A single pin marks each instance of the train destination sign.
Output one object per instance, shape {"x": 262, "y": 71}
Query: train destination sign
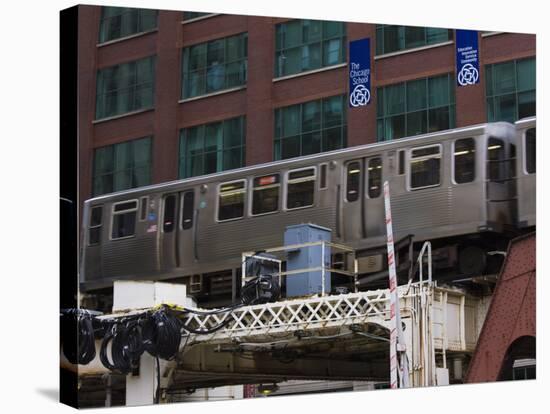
{"x": 467, "y": 57}
{"x": 359, "y": 73}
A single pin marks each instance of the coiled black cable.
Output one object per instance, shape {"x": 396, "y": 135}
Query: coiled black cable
{"x": 162, "y": 334}
{"x": 78, "y": 331}
{"x": 126, "y": 347}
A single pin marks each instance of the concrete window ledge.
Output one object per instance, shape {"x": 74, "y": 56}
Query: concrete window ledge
{"x": 310, "y": 72}
{"x": 413, "y": 50}
{"x": 112, "y": 118}
{"x": 208, "y": 95}
{"x": 122, "y": 39}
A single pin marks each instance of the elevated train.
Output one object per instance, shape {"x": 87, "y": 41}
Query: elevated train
{"x": 468, "y": 190}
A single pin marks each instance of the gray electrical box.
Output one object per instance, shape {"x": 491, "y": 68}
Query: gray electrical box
{"x": 307, "y": 283}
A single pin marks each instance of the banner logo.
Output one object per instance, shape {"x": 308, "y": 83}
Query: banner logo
{"x": 467, "y": 57}
{"x": 468, "y": 75}
{"x": 360, "y": 96}
{"x": 359, "y": 73}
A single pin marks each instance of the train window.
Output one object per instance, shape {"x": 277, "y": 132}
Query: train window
{"x": 96, "y": 221}
{"x": 401, "y": 168}
{"x": 168, "y": 221}
{"x": 300, "y": 188}
{"x": 187, "y": 210}
{"x": 231, "y": 200}
{"x": 124, "y": 219}
{"x": 530, "y": 151}
{"x": 143, "y": 208}
{"x": 323, "y": 179}
{"x": 265, "y": 194}
{"x": 495, "y": 158}
{"x": 353, "y": 181}
{"x": 375, "y": 177}
{"x": 425, "y": 167}
{"x": 465, "y": 160}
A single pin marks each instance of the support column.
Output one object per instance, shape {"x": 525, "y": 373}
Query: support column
{"x": 141, "y": 388}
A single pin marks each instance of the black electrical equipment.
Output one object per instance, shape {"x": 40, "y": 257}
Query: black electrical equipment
{"x": 261, "y": 264}
{"x": 261, "y": 289}
{"x": 264, "y": 286}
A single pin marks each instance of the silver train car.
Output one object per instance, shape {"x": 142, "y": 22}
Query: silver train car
{"x": 452, "y": 187}
{"x": 526, "y": 172}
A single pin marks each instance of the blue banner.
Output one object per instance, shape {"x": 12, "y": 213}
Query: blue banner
{"x": 359, "y": 72}
{"x": 467, "y": 58}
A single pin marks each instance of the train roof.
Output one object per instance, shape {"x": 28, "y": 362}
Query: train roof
{"x": 526, "y": 122}
{"x": 318, "y": 157}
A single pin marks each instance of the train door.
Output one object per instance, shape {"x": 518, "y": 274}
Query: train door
{"x": 498, "y": 181}
{"x": 168, "y": 230}
{"x": 186, "y": 230}
{"x": 353, "y": 201}
{"x": 374, "y": 197}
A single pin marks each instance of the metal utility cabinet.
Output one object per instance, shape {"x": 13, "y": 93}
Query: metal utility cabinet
{"x": 308, "y": 257}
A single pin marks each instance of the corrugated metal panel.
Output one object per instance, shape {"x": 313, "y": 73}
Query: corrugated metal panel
{"x": 422, "y": 208}
{"x": 512, "y": 313}
{"x": 130, "y": 256}
{"x": 229, "y": 240}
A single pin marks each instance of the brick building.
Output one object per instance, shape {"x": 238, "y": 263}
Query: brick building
{"x": 171, "y": 94}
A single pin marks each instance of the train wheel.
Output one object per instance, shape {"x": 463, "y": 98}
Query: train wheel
{"x": 472, "y": 260}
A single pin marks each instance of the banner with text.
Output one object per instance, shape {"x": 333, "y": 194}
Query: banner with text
{"x": 359, "y": 72}
{"x": 467, "y": 57}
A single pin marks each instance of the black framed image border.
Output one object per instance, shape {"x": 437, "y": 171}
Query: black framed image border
{"x": 68, "y": 187}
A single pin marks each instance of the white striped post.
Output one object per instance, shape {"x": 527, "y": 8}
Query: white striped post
{"x": 396, "y": 331}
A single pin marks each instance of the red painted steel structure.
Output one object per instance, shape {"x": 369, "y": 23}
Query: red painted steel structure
{"x": 512, "y": 313}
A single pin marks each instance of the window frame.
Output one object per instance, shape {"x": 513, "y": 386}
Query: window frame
{"x": 502, "y": 157}
{"x": 490, "y": 98}
{"x": 323, "y": 175}
{"x": 453, "y": 162}
{"x": 244, "y": 190}
{"x": 143, "y": 209}
{"x": 113, "y": 170}
{"x": 140, "y": 31}
{"x": 113, "y": 213}
{"x": 409, "y": 164}
{"x": 184, "y": 158}
{"x": 253, "y": 188}
{"x": 383, "y": 117}
{"x": 321, "y": 41}
{"x": 182, "y": 208}
{"x": 347, "y": 172}
{"x": 367, "y": 186}
{"x": 381, "y": 28}
{"x": 165, "y": 197}
{"x": 90, "y": 227}
{"x": 184, "y": 94}
{"x": 278, "y": 113}
{"x": 135, "y": 86}
{"x": 525, "y": 171}
{"x": 288, "y": 182}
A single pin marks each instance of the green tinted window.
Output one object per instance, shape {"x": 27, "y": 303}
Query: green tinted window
{"x": 210, "y": 148}
{"x": 415, "y": 107}
{"x": 303, "y": 45}
{"x": 511, "y": 90}
{"x": 214, "y": 66}
{"x": 118, "y": 22}
{"x": 310, "y": 127}
{"x": 125, "y": 88}
{"x": 391, "y": 38}
{"x": 122, "y": 166}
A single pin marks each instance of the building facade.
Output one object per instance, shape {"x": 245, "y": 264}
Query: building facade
{"x": 165, "y": 95}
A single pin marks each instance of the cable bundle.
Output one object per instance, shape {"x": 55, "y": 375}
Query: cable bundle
{"x": 77, "y": 326}
{"x": 126, "y": 347}
{"x": 162, "y": 334}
